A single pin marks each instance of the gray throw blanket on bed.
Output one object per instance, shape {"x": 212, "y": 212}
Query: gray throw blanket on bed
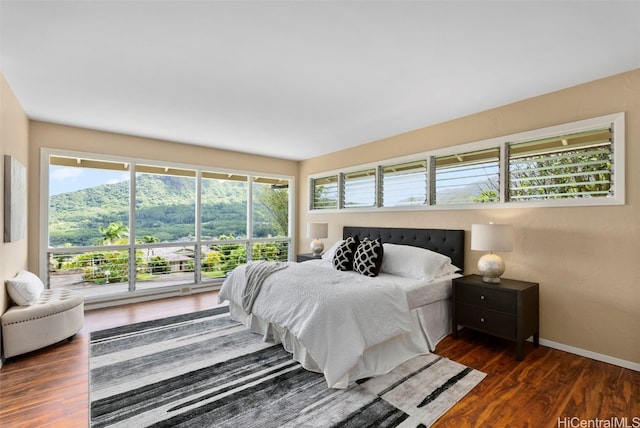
{"x": 256, "y": 273}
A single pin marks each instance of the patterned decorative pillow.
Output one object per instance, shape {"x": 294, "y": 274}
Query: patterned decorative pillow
{"x": 368, "y": 258}
{"x": 343, "y": 257}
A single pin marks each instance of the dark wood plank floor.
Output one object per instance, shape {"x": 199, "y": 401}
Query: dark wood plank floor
{"x": 49, "y": 388}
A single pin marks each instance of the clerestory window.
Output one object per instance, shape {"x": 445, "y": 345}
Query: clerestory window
{"x": 574, "y": 164}
{"x": 470, "y": 177}
{"x": 568, "y": 166}
{"x": 405, "y": 184}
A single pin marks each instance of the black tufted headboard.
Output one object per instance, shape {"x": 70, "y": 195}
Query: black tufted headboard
{"x": 444, "y": 241}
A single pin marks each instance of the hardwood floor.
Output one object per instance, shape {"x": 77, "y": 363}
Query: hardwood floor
{"x": 49, "y": 388}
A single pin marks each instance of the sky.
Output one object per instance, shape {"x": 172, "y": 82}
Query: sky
{"x": 64, "y": 179}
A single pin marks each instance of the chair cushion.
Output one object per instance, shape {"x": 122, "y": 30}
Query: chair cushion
{"x": 51, "y": 302}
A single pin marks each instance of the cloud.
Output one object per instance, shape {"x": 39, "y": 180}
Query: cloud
{"x": 123, "y": 177}
{"x": 62, "y": 173}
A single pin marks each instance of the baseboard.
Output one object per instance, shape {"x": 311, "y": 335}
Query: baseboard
{"x": 147, "y": 295}
{"x": 593, "y": 355}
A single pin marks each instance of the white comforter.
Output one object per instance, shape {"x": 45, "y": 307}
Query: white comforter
{"x": 335, "y": 315}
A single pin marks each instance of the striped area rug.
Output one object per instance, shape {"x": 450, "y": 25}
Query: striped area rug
{"x": 206, "y": 370}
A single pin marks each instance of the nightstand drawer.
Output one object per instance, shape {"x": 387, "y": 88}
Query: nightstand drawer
{"x": 486, "y": 320}
{"x": 485, "y": 297}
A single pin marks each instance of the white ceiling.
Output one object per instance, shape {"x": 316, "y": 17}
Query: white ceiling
{"x": 297, "y": 79}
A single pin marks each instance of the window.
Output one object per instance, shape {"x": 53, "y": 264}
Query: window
{"x": 165, "y": 204}
{"x": 568, "y": 166}
{"x": 404, "y": 184}
{"x": 359, "y": 189}
{"x": 77, "y": 198}
{"x": 165, "y": 210}
{"x": 574, "y": 164}
{"x": 223, "y": 205}
{"x": 118, "y": 226}
{"x": 270, "y": 207}
{"x": 325, "y": 193}
{"x": 270, "y": 219}
{"x": 471, "y": 177}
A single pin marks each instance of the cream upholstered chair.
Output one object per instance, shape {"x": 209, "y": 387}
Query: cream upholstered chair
{"x": 32, "y": 323}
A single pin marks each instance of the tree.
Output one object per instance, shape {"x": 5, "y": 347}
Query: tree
{"x": 115, "y": 233}
{"x": 149, "y": 239}
{"x": 102, "y": 267}
{"x": 575, "y": 174}
{"x": 159, "y": 265}
{"x": 325, "y": 196}
{"x": 489, "y": 191}
{"x": 275, "y": 200}
{"x": 212, "y": 261}
{"x": 486, "y": 195}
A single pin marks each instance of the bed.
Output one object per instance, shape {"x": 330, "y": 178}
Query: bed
{"x": 346, "y": 325}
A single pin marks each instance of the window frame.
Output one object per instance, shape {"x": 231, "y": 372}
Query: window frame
{"x": 480, "y": 154}
{"x": 616, "y": 121}
{"x": 162, "y": 167}
{"x": 360, "y": 181}
{"x": 312, "y": 192}
{"x": 421, "y": 168}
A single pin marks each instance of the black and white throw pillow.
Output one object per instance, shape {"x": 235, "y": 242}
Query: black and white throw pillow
{"x": 343, "y": 257}
{"x": 368, "y": 257}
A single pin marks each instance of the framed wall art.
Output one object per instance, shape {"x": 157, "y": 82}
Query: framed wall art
{"x": 15, "y": 200}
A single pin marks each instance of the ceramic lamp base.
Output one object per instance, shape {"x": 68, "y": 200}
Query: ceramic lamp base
{"x": 317, "y": 247}
{"x": 491, "y": 267}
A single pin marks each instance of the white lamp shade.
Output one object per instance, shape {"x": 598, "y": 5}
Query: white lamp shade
{"x": 317, "y": 230}
{"x": 492, "y": 237}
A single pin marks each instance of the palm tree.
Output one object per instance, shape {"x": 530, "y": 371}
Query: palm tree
{"x": 115, "y": 233}
{"x": 149, "y": 239}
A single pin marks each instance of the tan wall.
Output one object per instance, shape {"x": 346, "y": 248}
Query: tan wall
{"x": 14, "y": 141}
{"x": 587, "y": 260}
{"x": 53, "y": 136}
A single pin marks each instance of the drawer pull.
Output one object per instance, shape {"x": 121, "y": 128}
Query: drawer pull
{"x": 481, "y": 297}
{"x": 481, "y": 319}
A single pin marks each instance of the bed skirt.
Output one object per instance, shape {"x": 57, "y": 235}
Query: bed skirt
{"x": 430, "y": 324}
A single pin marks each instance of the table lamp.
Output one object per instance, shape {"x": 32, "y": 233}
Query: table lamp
{"x": 491, "y": 237}
{"x": 317, "y": 231}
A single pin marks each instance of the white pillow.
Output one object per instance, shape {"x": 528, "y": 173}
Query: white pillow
{"x": 25, "y": 288}
{"x": 447, "y": 269}
{"x": 328, "y": 255}
{"x": 413, "y": 262}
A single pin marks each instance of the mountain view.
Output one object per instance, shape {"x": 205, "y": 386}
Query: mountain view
{"x": 165, "y": 209}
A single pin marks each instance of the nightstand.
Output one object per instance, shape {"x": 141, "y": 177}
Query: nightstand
{"x": 306, "y": 257}
{"x": 508, "y": 309}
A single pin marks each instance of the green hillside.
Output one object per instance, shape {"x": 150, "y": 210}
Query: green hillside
{"x": 165, "y": 209}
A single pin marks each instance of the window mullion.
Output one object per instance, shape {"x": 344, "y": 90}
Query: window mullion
{"x": 379, "y": 195}
{"x": 249, "y": 242}
{"x": 132, "y": 228}
{"x": 432, "y": 181}
{"x": 341, "y": 191}
{"x": 505, "y": 175}
{"x": 197, "y": 253}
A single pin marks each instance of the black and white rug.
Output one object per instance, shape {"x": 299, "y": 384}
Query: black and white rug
{"x": 206, "y": 370}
